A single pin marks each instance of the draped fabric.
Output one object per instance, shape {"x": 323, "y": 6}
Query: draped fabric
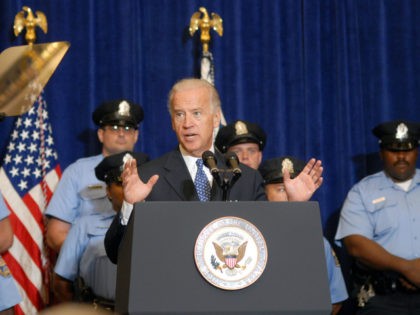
{"x": 317, "y": 75}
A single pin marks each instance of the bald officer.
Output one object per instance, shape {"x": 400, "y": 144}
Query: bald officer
{"x": 79, "y": 192}
{"x": 380, "y": 225}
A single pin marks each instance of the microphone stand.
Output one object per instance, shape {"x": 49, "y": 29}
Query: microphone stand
{"x": 221, "y": 176}
{"x": 225, "y": 183}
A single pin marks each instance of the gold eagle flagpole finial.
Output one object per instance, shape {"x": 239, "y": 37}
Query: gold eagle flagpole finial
{"x": 26, "y": 69}
{"x": 205, "y": 24}
{"x": 30, "y": 22}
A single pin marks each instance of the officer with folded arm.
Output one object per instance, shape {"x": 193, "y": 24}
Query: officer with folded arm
{"x": 380, "y": 225}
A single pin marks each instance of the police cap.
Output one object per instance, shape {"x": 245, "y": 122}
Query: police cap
{"x": 398, "y": 135}
{"x": 238, "y": 132}
{"x": 272, "y": 170}
{"x": 110, "y": 168}
{"x": 118, "y": 112}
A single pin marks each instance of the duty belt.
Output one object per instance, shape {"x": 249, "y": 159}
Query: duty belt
{"x": 372, "y": 282}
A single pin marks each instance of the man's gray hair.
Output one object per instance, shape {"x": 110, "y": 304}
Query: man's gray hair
{"x": 191, "y": 83}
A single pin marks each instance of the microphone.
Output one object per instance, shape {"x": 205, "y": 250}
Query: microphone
{"x": 209, "y": 160}
{"x": 233, "y": 162}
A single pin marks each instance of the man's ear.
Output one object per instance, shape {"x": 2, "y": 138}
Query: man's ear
{"x": 100, "y": 134}
{"x": 216, "y": 118}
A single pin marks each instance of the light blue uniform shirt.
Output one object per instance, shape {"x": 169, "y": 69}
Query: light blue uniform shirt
{"x": 382, "y": 211}
{"x": 338, "y": 290}
{"x": 9, "y": 295}
{"x": 79, "y": 192}
{"x": 83, "y": 252}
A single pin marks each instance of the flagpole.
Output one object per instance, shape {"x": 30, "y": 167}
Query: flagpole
{"x": 200, "y": 20}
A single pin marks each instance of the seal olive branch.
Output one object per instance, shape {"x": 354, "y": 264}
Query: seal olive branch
{"x": 215, "y": 263}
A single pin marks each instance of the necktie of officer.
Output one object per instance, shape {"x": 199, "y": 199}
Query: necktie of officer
{"x": 201, "y": 183}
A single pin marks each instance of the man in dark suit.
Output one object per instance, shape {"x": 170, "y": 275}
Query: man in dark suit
{"x": 194, "y": 106}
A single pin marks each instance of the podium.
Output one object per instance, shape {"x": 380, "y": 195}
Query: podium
{"x": 157, "y": 273}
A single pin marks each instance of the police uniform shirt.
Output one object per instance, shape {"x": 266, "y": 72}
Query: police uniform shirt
{"x": 9, "y": 295}
{"x": 338, "y": 290}
{"x": 79, "y": 192}
{"x": 382, "y": 211}
{"x": 97, "y": 271}
{"x": 88, "y": 231}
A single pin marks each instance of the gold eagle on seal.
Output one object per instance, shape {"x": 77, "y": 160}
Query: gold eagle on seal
{"x": 230, "y": 255}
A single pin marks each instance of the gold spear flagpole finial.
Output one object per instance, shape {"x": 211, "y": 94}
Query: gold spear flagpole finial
{"x": 204, "y": 23}
{"x": 30, "y": 22}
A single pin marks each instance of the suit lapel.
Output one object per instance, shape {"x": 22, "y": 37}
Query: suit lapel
{"x": 178, "y": 177}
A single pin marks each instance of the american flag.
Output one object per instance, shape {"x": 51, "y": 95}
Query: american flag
{"x": 28, "y": 176}
{"x": 207, "y": 73}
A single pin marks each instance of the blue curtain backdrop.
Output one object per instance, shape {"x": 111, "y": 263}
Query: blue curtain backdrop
{"x": 317, "y": 75}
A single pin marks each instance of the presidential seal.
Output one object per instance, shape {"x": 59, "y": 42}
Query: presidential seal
{"x": 230, "y": 253}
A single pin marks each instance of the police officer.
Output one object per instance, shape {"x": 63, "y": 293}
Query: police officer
{"x": 272, "y": 171}
{"x": 246, "y": 139}
{"x": 9, "y": 295}
{"x": 82, "y": 255}
{"x": 79, "y": 192}
{"x": 380, "y": 225}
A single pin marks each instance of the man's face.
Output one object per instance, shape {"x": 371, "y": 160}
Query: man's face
{"x": 115, "y": 194}
{"x": 399, "y": 165}
{"x": 193, "y": 119}
{"x": 116, "y": 139}
{"x": 276, "y": 192}
{"x": 248, "y": 154}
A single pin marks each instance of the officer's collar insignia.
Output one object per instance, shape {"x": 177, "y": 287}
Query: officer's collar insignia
{"x": 124, "y": 109}
{"x": 230, "y": 253}
{"x": 240, "y": 128}
{"x": 287, "y": 164}
{"x": 402, "y": 132}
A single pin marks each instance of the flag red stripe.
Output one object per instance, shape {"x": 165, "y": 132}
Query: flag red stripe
{"x": 47, "y": 193}
{"x": 26, "y": 239}
{"x": 18, "y": 310}
{"x": 20, "y": 276}
{"x": 34, "y": 209}
{"x": 58, "y": 170}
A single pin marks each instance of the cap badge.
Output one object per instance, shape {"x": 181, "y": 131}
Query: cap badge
{"x": 127, "y": 157}
{"x": 240, "y": 128}
{"x": 287, "y": 164}
{"x": 402, "y": 132}
{"x": 124, "y": 109}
